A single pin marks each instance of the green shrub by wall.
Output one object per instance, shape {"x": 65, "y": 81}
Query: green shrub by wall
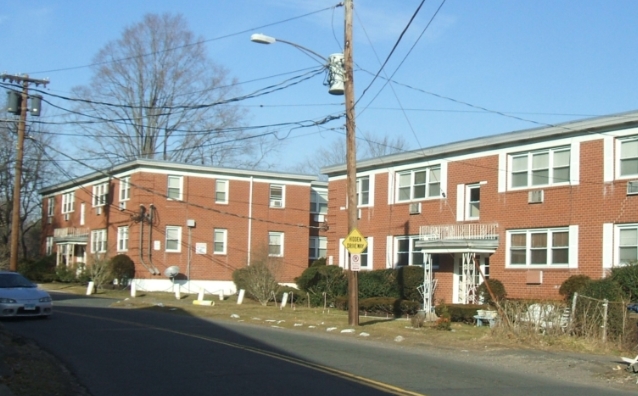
{"x": 627, "y": 278}
{"x": 459, "y": 312}
{"x": 497, "y": 287}
{"x": 409, "y": 278}
{"x": 573, "y": 284}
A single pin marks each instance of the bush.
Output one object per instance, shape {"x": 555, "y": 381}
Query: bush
{"x": 122, "y": 269}
{"x": 573, "y": 284}
{"x": 41, "y": 270}
{"x": 66, "y": 274}
{"x": 294, "y": 295}
{"x": 497, "y": 289}
{"x": 320, "y": 278}
{"x": 459, "y": 312}
{"x": 627, "y": 278}
{"x": 610, "y": 290}
{"x": 444, "y": 322}
{"x": 409, "y": 278}
{"x": 98, "y": 271}
{"x": 378, "y": 283}
{"x": 388, "y": 306}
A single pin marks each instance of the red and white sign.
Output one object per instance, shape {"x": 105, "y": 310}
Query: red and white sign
{"x": 355, "y": 262}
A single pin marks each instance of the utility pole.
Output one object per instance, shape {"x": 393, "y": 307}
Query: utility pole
{"x": 17, "y": 185}
{"x": 351, "y": 158}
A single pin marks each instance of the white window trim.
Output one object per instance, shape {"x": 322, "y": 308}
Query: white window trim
{"x": 49, "y": 246}
{"x": 428, "y": 169}
{"x": 615, "y": 262}
{"x": 98, "y": 237}
{"x": 573, "y": 167}
{"x": 271, "y": 201}
{"x": 572, "y": 247}
{"x": 50, "y": 206}
{"x": 179, "y": 239}
{"x": 395, "y": 258}
{"x": 125, "y": 189}
{"x": 181, "y": 187}
{"x": 68, "y": 202}
{"x": 226, "y": 192}
{"x": 344, "y": 255}
{"x": 281, "y": 250}
{"x": 370, "y": 191}
{"x": 122, "y": 238}
{"x": 617, "y": 158}
{"x": 100, "y": 194}
{"x": 224, "y": 241}
{"x": 315, "y": 201}
{"x": 317, "y": 246}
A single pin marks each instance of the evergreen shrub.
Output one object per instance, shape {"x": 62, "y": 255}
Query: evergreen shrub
{"x": 573, "y": 284}
{"x": 497, "y": 288}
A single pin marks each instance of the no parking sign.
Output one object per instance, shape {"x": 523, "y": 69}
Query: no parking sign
{"x": 355, "y": 262}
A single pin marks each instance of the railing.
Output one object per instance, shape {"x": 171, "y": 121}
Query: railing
{"x": 70, "y": 232}
{"x": 459, "y": 231}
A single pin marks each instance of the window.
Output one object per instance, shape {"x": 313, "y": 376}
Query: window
{"x": 363, "y": 191}
{"x": 318, "y": 247}
{"x": 629, "y": 157}
{"x": 535, "y": 248}
{"x": 419, "y": 184}
{"x": 122, "y": 239}
{"x": 407, "y": 252}
{"x": 318, "y": 202}
{"x": 174, "y": 189}
{"x": 125, "y": 189}
{"x": 173, "y": 239}
{"x": 98, "y": 241}
{"x": 473, "y": 201}
{"x": 221, "y": 191}
{"x": 50, "y": 206}
{"x": 276, "y": 244}
{"x": 49, "y": 246}
{"x": 540, "y": 168}
{"x": 68, "y": 202}
{"x": 219, "y": 241}
{"x": 100, "y": 192}
{"x": 628, "y": 245}
{"x": 366, "y": 255}
{"x": 276, "y": 196}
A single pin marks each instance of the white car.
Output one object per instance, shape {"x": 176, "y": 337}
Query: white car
{"x": 20, "y": 297}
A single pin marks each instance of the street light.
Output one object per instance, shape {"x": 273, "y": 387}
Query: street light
{"x": 341, "y": 82}
{"x": 334, "y": 63}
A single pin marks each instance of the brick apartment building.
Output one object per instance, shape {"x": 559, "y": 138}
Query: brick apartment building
{"x": 204, "y": 220}
{"x": 530, "y": 208}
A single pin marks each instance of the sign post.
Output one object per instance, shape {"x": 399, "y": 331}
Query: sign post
{"x": 355, "y": 244}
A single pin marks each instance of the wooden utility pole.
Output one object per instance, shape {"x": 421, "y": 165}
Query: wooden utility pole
{"x": 351, "y": 178}
{"x": 17, "y": 185}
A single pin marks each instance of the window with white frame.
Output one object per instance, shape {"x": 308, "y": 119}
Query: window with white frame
{"x": 366, "y": 255}
{"x": 363, "y": 191}
{"x": 318, "y": 247}
{"x": 419, "y": 184}
{"x": 100, "y": 192}
{"x": 276, "y": 244}
{"x": 540, "y": 168}
{"x": 68, "y": 202}
{"x": 538, "y": 247}
{"x": 173, "y": 239}
{"x": 98, "y": 241}
{"x": 50, "y": 206}
{"x": 628, "y": 157}
{"x": 49, "y": 246}
{"x": 221, "y": 191}
{"x": 319, "y": 202}
{"x": 627, "y": 244}
{"x": 406, "y": 251}
{"x": 276, "y": 196}
{"x": 473, "y": 196}
{"x": 220, "y": 238}
{"x": 122, "y": 239}
{"x": 125, "y": 189}
{"x": 174, "y": 187}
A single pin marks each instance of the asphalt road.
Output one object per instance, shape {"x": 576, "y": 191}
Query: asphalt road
{"x": 145, "y": 352}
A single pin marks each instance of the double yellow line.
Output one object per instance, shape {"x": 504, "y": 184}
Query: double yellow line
{"x": 289, "y": 359}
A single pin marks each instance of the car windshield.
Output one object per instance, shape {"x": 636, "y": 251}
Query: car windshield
{"x": 14, "y": 280}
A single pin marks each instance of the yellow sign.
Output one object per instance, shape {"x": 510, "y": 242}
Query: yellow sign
{"x": 355, "y": 243}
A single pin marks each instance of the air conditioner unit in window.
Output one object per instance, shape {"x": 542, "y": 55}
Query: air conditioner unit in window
{"x": 415, "y": 208}
{"x": 49, "y": 220}
{"x": 536, "y": 196}
{"x": 122, "y": 205}
{"x": 319, "y": 218}
{"x": 632, "y": 187}
{"x": 275, "y": 203}
{"x": 66, "y": 217}
{"x": 358, "y": 214}
{"x": 98, "y": 210}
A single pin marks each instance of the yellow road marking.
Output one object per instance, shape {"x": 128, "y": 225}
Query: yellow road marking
{"x": 299, "y": 362}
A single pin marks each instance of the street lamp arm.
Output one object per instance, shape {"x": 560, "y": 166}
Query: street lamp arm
{"x": 263, "y": 39}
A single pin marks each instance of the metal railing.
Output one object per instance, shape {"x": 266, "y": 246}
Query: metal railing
{"x": 459, "y": 231}
{"x": 70, "y": 232}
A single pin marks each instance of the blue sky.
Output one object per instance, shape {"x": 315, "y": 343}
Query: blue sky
{"x": 544, "y": 61}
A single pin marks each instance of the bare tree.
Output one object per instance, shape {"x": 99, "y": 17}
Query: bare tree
{"x": 36, "y": 171}
{"x": 156, "y": 94}
{"x": 369, "y": 145}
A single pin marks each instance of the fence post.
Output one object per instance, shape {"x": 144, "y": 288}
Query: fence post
{"x": 605, "y": 305}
